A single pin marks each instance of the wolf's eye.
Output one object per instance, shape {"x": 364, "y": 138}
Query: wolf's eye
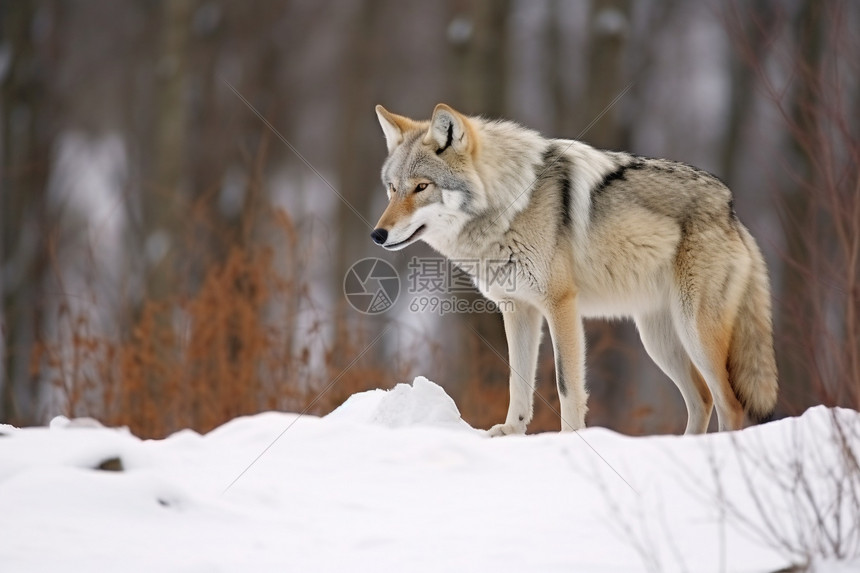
{"x": 420, "y": 187}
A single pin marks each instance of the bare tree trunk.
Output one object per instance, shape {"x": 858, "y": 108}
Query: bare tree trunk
{"x": 356, "y": 113}
{"x": 354, "y": 174}
{"x": 610, "y": 20}
{"x": 162, "y": 209}
{"x": 162, "y": 204}
{"x": 24, "y": 226}
{"x": 800, "y": 215}
{"x": 563, "y": 104}
{"x": 479, "y": 56}
{"x": 743, "y": 80}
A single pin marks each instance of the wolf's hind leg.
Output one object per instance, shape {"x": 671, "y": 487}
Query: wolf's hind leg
{"x": 568, "y": 341}
{"x": 665, "y": 349}
{"x": 706, "y": 340}
{"x": 711, "y": 281}
{"x": 523, "y": 333}
{"x": 709, "y": 354}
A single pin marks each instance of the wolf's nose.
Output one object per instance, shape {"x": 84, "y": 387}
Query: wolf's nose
{"x": 379, "y": 236}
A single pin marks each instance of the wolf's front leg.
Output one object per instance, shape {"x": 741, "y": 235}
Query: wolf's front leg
{"x": 568, "y": 342}
{"x": 523, "y": 331}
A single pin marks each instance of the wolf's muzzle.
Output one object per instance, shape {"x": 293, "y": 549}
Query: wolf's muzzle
{"x": 379, "y": 236}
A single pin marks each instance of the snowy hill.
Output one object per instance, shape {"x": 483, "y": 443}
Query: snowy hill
{"x": 396, "y": 481}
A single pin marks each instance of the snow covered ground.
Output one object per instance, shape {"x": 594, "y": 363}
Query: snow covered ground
{"x": 396, "y": 481}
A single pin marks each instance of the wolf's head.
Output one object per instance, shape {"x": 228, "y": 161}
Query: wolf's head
{"x": 429, "y": 176}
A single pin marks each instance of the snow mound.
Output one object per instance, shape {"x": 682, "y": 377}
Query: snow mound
{"x": 424, "y": 403}
{"x": 270, "y": 492}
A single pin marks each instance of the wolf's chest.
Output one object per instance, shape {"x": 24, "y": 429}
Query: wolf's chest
{"x": 505, "y": 269}
{"x": 505, "y": 279}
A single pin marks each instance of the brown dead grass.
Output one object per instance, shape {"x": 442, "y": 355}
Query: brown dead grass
{"x": 229, "y": 349}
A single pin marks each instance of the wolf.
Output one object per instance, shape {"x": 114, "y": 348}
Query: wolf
{"x": 589, "y": 233}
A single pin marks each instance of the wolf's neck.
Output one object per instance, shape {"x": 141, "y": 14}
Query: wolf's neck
{"x": 515, "y": 165}
{"x": 507, "y": 165}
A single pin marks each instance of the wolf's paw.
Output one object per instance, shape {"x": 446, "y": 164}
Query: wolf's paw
{"x": 506, "y": 430}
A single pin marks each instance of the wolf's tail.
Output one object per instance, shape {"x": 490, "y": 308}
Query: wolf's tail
{"x": 751, "y": 362}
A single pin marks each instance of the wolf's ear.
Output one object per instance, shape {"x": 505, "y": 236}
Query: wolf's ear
{"x": 450, "y": 128}
{"x": 394, "y": 126}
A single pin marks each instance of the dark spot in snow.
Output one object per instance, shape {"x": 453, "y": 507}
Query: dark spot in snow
{"x": 111, "y": 465}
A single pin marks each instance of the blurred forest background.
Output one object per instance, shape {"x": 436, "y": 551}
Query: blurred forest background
{"x": 184, "y": 184}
